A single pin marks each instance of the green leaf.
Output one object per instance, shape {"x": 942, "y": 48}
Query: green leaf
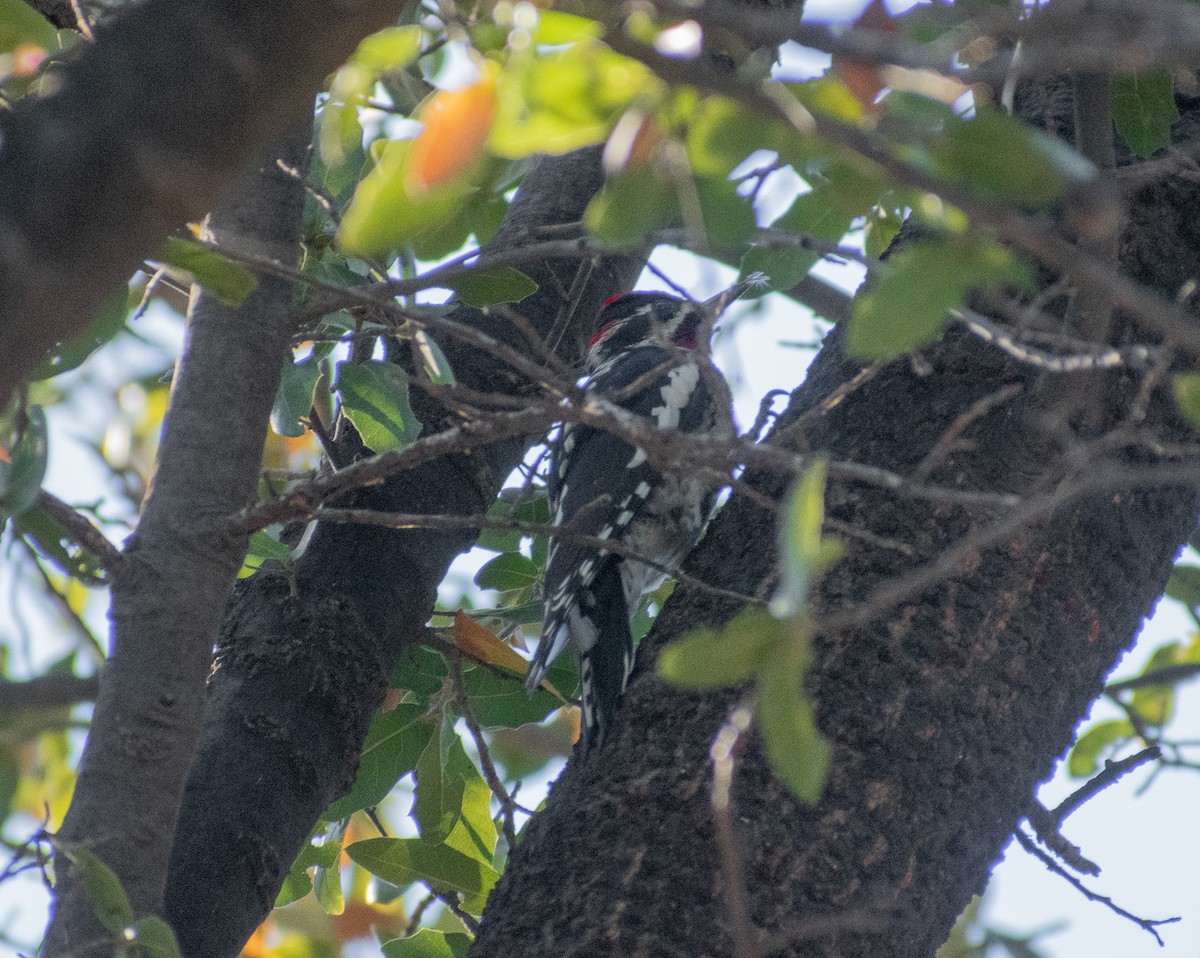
{"x": 1144, "y": 110}
{"x": 798, "y": 752}
{"x": 721, "y": 133}
{"x": 818, "y": 214}
{"x": 1184, "y": 585}
{"x": 560, "y": 101}
{"x": 635, "y": 202}
{"x": 295, "y": 397}
{"x": 403, "y": 861}
{"x": 883, "y": 223}
{"x": 420, "y": 671}
{"x": 999, "y": 158}
{"x": 728, "y": 219}
{"x": 474, "y": 834}
{"x": 392, "y": 748}
{"x": 711, "y": 658}
{"x": 907, "y": 303}
{"x": 501, "y": 702}
{"x": 433, "y": 360}
{"x": 1155, "y": 704}
{"x": 385, "y": 213}
{"x": 155, "y": 939}
{"x": 103, "y": 889}
{"x": 230, "y": 282}
{"x": 108, "y": 321}
{"x": 374, "y": 397}
{"x": 439, "y": 791}
{"x": 800, "y": 541}
{"x": 1187, "y": 395}
{"x": 295, "y": 886}
{"x": 263, "y": 547}
{"x": 428, "y": 943}
{"x": 388, "y": 49}
{"x": 21, "y": 479}
{"x": 555, "y": 28}
{"x": 490, "y": 285}
{"x": 1084, "y": 759}
{"x": 508, "y": 572}
{"x": 327, "y": 884}
{"x": 51, "y": 540}
{"x": 20, "y": 23}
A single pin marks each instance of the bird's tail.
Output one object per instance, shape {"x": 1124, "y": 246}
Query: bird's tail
{"x": 604, "y": 667}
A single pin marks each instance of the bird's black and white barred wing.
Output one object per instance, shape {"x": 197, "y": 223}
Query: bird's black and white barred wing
{"x": 599, "y": 487}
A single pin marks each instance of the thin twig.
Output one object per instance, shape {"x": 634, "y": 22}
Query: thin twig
{"x": 1146, "y": 924}
{"x": 723, "y": 754}
{"x": 507, "y": 805}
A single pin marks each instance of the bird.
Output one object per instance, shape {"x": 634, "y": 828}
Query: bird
{"x": 645, "y": 358}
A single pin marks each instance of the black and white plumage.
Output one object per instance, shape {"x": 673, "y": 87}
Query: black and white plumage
{"x": 604, "y": 488}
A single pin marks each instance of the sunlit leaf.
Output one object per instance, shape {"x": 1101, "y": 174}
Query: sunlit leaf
{"x": 51, "y": 540}
{"x": 103, "y": 889}
{"x": 508, "y": 572}
{"x": 1187, "y": 395}
{"x": 800, "y": 540}
{"x": 439, "y": 791}
{"x": 490, "y": 285}
{"x": 1144, "y": 110}
{"x": 263, "y": 546}
{"x": 711, "y": 658}
{"x": 108, "y": 321}
{"x": 474, "y": 834}
{"x": 230, "y": 282}
{"x": 907, "y": 303}
{"x": 456, "y": 128}
{"x": 564, "y": 100}
{"x": 295, "y": 397}
{"x": 428, "y": 943}
{"x": 155, "y": 939}
{"x": 386, "y": 213}
{"x": 392, "y": 748}
{"x": 402, "y": 861}
{"x": 21, "y": 477}
{"x": 1084, "y": 759}
{"x": 327, "y": 883}
{"x": 22, "y": 24}
{"x": 374, "y": 398}
{"x": 798, "y": 752}
{"x": 1000, "y": 158}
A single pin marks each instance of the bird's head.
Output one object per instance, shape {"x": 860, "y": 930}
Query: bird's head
{"x": 631, "y": 320}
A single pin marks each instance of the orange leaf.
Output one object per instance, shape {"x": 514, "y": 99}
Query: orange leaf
{"x": 457, "y": 124}
{"x": 862, "y": 78}
{"x": 483, "y": 645}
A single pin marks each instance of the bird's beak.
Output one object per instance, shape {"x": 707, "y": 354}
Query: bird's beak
{"x": 718, "y": 304}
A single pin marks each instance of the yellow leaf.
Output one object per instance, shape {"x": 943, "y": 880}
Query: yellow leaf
{"x": 483, "y": 645}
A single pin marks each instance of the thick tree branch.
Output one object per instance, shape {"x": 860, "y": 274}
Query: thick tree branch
{"x": 304, "y": 663}
{"x": 171, "y": 587}
{"x": 121, "y": 140}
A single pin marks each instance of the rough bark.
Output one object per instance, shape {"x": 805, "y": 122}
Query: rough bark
{"x": 172, "y": 586}
{"x": 121, "y": 140}
{"x": 944, "y": 713}
{"x": 303, "y": 665}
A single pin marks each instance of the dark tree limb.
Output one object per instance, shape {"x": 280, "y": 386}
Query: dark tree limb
{"x": 172, "y": 585}
{"x": 944, "y": 712}
{"x": 45, "y": 692}
{"x": 303, "y": 664}
{"x": 122, "y": 141}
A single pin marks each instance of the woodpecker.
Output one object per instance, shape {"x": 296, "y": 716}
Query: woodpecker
{"x": 643, "y": 358}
